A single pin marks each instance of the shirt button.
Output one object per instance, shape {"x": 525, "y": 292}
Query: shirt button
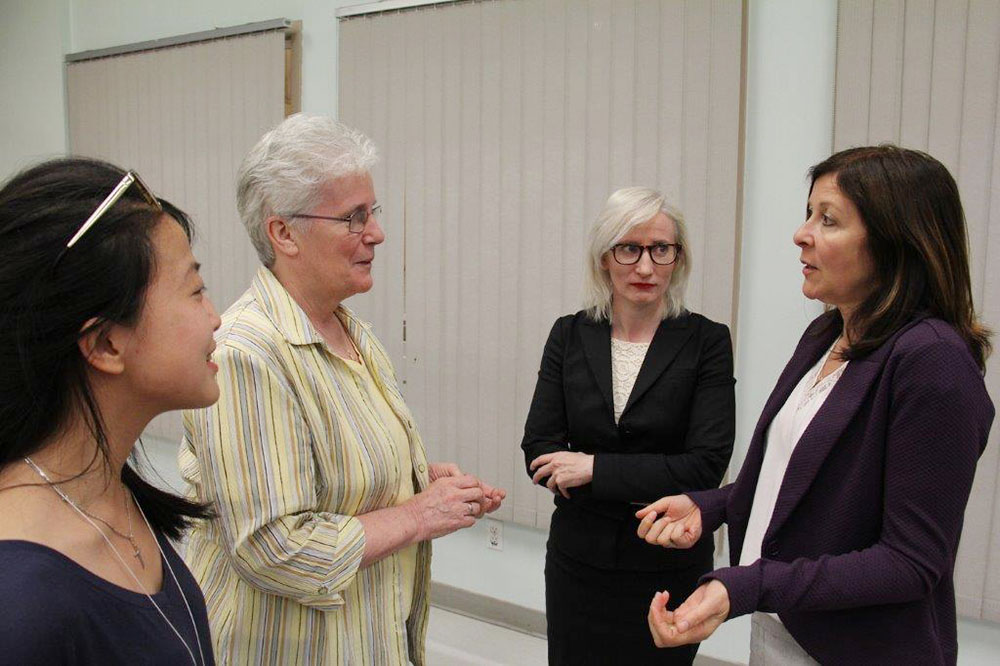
{"x": 421, "y": 468}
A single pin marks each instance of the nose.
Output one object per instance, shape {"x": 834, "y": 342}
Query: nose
{"x": 373, "y": 233}
{"x": 802, "y": 236}
{"x": 213, "y": 313}
{"x": 645, "y": 264}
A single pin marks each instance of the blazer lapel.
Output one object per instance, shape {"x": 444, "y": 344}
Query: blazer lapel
{"x": 822, "y": 434}
{"x": 810, "y": 348}
{"x": 826, "y": 428}
{"x": 596, "y": 340}
{"x": 663, "y": 349}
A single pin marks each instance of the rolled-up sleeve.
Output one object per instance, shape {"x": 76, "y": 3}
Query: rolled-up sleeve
{"x": 257, "y": 468}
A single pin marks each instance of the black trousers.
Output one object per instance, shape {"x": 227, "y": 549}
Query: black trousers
{"x": 598, "y": 617}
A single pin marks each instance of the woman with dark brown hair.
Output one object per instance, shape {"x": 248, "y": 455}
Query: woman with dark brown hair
{"x": 845, "y": 518}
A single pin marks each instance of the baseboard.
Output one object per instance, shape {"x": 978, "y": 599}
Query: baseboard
{"x": 702, "y": 660}
{"x": 488, "y": 609}
{"x": 511, "y": 616}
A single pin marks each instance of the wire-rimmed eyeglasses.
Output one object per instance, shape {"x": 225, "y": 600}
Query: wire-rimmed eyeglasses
{"x": 356, "y": 221}
{"x": 111, "y": 199}
{"x": 661, "y": 254}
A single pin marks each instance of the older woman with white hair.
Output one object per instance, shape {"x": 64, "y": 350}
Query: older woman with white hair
{"x": 324, "y": 498}
{"x": 634, "y": 396}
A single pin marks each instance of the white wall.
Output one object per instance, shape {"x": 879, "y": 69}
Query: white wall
{"x": 788, "y": 128}
{"x": 33, "y": 36}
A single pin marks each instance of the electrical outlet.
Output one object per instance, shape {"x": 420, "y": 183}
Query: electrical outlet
{"x": 494, "y": 534}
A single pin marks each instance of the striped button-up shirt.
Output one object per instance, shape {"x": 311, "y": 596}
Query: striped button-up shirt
{"x": 290, "y": 454}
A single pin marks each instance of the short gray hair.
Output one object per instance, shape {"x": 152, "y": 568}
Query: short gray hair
{"x": 624, "y": 209}
{"x": 288, "y": 168}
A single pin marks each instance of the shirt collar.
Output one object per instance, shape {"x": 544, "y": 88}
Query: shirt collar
{"x": 292, "y": 321}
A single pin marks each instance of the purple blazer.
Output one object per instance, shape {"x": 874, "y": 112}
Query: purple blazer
{"x": 859, "y": 555}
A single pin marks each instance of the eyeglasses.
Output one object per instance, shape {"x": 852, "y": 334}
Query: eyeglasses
{"x": 356, "y": 221}
{"x": 111, "y": 199}
{"x": 662, "y": 254}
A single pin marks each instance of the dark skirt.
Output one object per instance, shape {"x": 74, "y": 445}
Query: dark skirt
{"x": 597, "y": 616}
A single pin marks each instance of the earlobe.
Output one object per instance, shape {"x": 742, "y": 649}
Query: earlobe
{"x": 102, "y": 347}
{"x": 279, "y": 232}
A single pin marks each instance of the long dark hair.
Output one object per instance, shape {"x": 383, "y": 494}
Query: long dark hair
{"x": 48, "y": 294}
{"x": 913, "y": 215}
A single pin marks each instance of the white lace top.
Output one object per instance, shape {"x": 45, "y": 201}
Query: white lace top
{"x": 626, "y": 359}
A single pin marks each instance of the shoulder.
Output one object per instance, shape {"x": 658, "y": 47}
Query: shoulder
{"x": 932, "y": 346}
{"x": 565, "y": 324}
{"x": 247, "y": 328}
{"x": 705, "y": 327}
{"x": 42, "y": 597}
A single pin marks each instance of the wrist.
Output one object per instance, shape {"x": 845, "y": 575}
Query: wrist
{"x": 411, "y": 518}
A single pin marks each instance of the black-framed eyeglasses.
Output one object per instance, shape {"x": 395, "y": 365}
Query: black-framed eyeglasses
{"x": 661, "y": 254}
{"x": 110, "y": 200}
{"x": 356, "y": 221}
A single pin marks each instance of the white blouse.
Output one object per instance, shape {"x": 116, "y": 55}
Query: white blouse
{"x": 782, "y": 437}
{"x": 626, "y": 360}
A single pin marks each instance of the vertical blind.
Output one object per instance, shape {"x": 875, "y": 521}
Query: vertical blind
{"x": 183, "y": 117}
{"x": 924, "y": 74}
{"x": 503, "y": 126}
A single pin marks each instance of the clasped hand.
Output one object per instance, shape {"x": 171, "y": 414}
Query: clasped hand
{"x": 564, "y": 469}
{"x": 488, "y": 503}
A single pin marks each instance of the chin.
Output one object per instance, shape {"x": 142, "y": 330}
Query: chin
{"x": 207, "y": 397}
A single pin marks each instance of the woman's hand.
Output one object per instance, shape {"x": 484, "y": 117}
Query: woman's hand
{"x": 492, "y": 497}
{"x": 439, "y": 470}
{"x": 671, "y": 522}
{"x": 694, "y": 620}
{"x": 446, "y": 505}
{"x": 565, "y": 469}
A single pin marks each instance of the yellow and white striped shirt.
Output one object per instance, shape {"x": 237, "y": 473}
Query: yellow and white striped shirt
{"x": 300, "y": 442}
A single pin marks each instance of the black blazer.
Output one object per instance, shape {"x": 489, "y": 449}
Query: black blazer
{"x": 675, "y": 434}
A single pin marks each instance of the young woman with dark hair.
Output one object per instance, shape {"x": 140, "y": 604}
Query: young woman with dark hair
{"x": 844, "y": 521}
{"x": 104, "y": 325}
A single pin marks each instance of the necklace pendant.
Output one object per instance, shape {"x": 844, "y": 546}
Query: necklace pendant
{"x": 137, "y": 554}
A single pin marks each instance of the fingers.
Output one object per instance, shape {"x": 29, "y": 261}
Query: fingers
{"x": 646, "y": 523}
{"x": 463, "y": 481}
{"x": 543, "y": 459}
{"x": 656, "y": 530}
{"x": 661, "y": 620}
{"x": 660, "y": 506}
{"x": 471, "y": 495}
{"x": 542, "y": 472}
{"x": 440, "y": 470}
{"x": 696, "y": 609}
{"x": 674, "y": 534}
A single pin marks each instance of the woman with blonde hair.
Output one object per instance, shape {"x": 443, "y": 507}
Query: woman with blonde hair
{"x": 634, "y": 397}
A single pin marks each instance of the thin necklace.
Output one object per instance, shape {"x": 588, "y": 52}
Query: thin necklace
{"x": 31, "y": 463}
{"x": 130, "y": 537}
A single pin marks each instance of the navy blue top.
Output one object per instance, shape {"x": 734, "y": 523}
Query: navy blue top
{"x": 53, "y": 611}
